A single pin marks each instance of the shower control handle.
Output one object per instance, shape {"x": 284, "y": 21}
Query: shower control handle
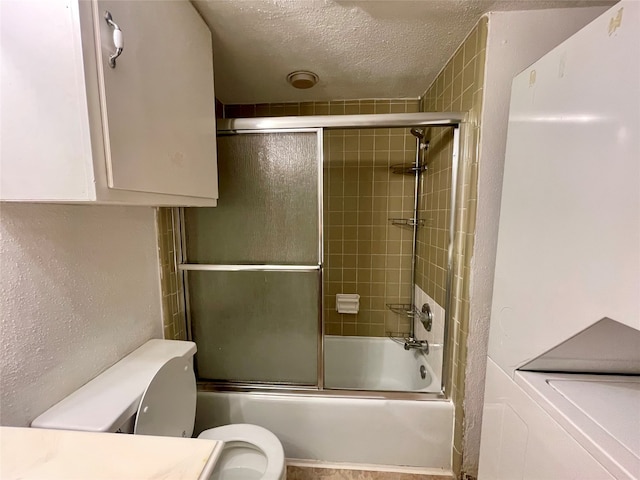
{"x": 427, "y": 317}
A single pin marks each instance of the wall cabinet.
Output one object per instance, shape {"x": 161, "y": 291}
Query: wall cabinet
{"x": 76, "y": 129}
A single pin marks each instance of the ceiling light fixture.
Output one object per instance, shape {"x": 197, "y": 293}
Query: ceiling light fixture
{"x": 302, "y": 79}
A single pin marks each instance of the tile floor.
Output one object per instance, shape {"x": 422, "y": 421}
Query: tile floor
{"x": 312, "y": 473}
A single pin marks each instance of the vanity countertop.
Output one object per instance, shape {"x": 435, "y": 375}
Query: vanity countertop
{"x": 34, "y": 453}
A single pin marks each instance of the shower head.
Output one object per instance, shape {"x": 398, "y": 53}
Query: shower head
{"x": 418, "y": 132}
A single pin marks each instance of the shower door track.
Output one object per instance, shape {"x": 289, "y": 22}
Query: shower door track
{"x": 319, "y": 123}
{"x": 297, "y": 390}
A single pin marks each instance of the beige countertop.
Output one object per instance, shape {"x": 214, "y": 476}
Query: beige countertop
{"x": 34, "y": 453}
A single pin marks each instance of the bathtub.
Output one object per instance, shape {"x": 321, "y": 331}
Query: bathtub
{"x": 373, "y": 430}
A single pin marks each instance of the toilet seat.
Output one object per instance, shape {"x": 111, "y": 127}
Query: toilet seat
{"x": 256, "y": 437}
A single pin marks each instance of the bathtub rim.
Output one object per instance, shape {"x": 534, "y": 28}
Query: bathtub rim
{"x": 291, "y": 390}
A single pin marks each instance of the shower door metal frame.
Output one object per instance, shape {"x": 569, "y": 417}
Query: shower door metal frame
{"x": 317, "y": 124}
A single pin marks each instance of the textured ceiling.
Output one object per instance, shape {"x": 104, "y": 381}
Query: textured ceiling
{"x": 359, "y": 48}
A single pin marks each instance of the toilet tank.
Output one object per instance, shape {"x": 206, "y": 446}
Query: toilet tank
{"x": 109, "y": 402}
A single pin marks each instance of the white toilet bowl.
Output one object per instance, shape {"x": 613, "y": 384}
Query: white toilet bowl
{"x": 250, "y": 453}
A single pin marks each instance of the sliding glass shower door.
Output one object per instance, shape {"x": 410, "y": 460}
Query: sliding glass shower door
{"x": 253, "y": 262}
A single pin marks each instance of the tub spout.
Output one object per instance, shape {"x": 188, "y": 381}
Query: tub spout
{"x": 413, "y": 344}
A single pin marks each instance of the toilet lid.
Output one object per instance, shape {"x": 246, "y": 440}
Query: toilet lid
{"x": 256, "y": 436}
{"x": 168, "y": 405}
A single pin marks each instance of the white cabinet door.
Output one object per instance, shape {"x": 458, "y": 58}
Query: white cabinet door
{"x": 157, "y": 104}
{"x": 45, "y": 143}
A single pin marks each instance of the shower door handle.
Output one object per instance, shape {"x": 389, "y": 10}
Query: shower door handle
{"x": 118, "y": 39}
{"x": 248, "y": 268}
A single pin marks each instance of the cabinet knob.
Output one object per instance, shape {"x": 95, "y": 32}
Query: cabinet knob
{"x": 118, "y": 39}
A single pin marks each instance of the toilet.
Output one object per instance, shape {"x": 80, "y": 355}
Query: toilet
{"x": 152, "y": 391}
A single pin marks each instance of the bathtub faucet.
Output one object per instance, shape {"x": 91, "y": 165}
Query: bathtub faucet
{"x": 412, "y": 343}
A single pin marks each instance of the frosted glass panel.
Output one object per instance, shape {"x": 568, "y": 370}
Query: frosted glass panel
{"x": 255, "y": 326}
{"x": 268, "y": 207}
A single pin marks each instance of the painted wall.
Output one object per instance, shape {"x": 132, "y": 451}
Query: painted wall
{"x": 79, "y": 289}
{"x": 515, "y": 40}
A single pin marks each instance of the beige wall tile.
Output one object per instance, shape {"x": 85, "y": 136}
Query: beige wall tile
{"x": 460, "y": 89}
{"x": 360, "y": 196}
{"x": 173, "y": 312}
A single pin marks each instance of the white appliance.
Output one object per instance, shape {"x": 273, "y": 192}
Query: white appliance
{"x": 562, "y": 396}
{"x": 152, "y": 391}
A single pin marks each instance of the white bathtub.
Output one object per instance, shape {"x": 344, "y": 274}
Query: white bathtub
{"x": 378, "y": 363}
{"x": 374, "y": 431}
